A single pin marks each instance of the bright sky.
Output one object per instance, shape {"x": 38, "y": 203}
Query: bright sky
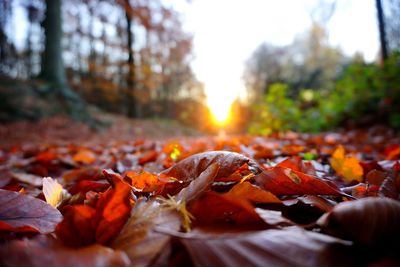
{"x": 226, "y": 32}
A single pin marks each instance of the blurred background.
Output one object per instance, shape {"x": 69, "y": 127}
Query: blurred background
{"x": 256, "y": 66}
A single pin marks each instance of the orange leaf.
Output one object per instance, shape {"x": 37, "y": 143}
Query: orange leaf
{"x": 145, "y": 181}
{"x": 348, "y": 167}
{"x": 148, "y": 157}
{"x": 251, "y": 193}
{"x": 84, "y": 156}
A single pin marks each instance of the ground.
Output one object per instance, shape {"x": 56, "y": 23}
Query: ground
{"x": 150, "y": 193}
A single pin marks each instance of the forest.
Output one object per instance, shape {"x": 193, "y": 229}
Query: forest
{"x": 116, "y": 151}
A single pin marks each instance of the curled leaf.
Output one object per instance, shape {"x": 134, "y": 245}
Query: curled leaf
{"x": 191, "y": 167}
{"x": 368, "y": 221}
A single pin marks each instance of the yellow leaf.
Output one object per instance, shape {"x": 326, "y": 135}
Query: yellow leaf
{"x": 346, "y": 166}
{"x": 52, "y": 191}
{"x": 85, "y": 156}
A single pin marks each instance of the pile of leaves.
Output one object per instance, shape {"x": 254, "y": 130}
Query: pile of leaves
{"x": 286, "y": 200}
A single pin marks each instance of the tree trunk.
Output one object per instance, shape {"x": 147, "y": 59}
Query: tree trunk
{"x": 382, "y": 31}
{"x": 52, "y": 66}
{"x": 131, "y": 78}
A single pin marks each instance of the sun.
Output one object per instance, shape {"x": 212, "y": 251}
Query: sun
{"x": 220, "y": 110}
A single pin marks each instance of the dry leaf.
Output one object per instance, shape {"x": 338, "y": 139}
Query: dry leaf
{"x": 368, "y": 221}
{"x": 348, "y": 167}
{"x": 53, "y": 191}
{"x": 18, "y": 210}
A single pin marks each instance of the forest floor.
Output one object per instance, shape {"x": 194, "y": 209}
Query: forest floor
{"x": 63, "y": 130}
{"x": 154, "y": 193}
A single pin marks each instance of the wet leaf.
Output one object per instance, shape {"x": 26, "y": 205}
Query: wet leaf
{"x": 18, "y": 210}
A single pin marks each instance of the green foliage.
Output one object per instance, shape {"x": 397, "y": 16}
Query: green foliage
{"x": 364, "y": 91}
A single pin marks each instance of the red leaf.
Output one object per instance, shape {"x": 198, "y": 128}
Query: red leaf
{"x": 84, "y": 225}
{"x": 78, "y": 226}
{"x": 284, "y": 181}
{"x": 213, "y": 208}
{"x": 18, "y": 210}
{"x": 113, "y": 209}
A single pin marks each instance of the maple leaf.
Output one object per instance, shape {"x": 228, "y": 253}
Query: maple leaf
{"x": 18, "y": 210}
{"x": 348, "y": 167}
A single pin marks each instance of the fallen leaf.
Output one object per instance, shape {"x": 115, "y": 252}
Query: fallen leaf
{"x": 139, "y": 238}
{"x": 84, "y": 225}
{"x": 251, "y": 193}
{"x": 286, "y": 247}
{"x": 214, "y": 208}
{"x": 113, "y": 208}
{"x": 145, "y": 181}
{"x": 27, "y": 178}
{"x": 18, "y": 210}
{"x": 191, "y": 167}
{"x": 32, "y": 253}
{"x": 53, "y": 191}
{"x": 148, "y": 157}
{"x": 348, "y": 167}
{"x": 369, "y": 221}
{"x": 284, "y": 181}
{"x": 85, "y": 156}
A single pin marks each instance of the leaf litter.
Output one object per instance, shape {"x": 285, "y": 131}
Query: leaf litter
{"x": 285, "y": 200}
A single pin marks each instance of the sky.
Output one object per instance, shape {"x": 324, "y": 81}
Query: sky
{"x": 226, "y": 32}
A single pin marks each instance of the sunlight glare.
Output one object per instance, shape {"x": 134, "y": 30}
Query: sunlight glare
{"x": 220, "y": 108}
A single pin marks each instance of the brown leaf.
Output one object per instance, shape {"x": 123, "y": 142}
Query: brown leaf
{"x": 368, "y": 221}
{"x": 18, "y": 210}
{"x": 191, "y": 167}
{"x": 32, "y": 253}
{"x": 27, "y": 178}
{"x": 139, "y": 238}
{"x": 199, "y": 185}
{"x": 288, "y": 247}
